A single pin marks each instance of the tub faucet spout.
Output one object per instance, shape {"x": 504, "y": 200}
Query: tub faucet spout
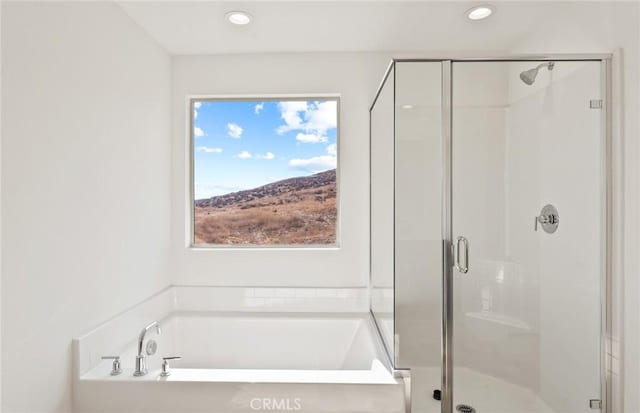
{"x": 141, "y": 359}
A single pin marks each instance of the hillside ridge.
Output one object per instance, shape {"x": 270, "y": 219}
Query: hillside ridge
{"x": 274, "y": 190}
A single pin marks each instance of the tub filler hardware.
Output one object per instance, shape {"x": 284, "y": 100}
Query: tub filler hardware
{"x": 548, "y": 219}
{"x": 141, "y": 359}
{"x": 166, "y": 369}
{"x": 115, "y": 368}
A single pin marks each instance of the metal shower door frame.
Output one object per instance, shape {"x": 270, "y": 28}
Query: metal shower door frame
{"x": 606, "y": 133}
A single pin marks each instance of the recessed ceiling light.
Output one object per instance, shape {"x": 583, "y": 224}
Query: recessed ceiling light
{"x": 239, "y": 18}
{"x": 407, "y": 106}
{"x": 480, "y": 12}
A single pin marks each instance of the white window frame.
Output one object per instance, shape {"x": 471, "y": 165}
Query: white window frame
{"x": 190, "y": 173}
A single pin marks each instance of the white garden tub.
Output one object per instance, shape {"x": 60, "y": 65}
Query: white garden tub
{"x": 247, "y": 362}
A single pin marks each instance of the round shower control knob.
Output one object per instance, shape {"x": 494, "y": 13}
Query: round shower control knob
{"x": 548, "y": 219}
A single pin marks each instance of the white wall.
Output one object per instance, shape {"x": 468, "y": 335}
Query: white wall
{"x": 355, "y": 77}
{"x": 85, "y": 185}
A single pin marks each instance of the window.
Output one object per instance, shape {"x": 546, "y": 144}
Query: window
{"x": 264, "y": 172}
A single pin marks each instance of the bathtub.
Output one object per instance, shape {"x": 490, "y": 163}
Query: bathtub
{"x": 244, "y": 361}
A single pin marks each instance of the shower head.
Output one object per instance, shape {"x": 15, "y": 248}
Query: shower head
{"x": 529, "y": 76}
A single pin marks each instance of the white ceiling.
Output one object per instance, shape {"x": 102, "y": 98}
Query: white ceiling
{"x": 199, "y": 27}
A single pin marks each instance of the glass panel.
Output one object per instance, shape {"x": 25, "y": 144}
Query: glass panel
{"x": 527, "y": 314}
{"x": 418, "y": 224}
{"x": 381, "y": 164}
{"x": 271, "y": 181}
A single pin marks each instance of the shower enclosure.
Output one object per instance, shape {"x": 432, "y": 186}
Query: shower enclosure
{"x": 489, "y": 231}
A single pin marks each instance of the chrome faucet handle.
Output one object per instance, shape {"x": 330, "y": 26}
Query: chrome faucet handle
{"x": 166, "y": 369}
{"x": 115, "y": 368}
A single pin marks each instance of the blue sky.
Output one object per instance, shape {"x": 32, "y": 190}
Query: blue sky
{"x": 245, "y": 144}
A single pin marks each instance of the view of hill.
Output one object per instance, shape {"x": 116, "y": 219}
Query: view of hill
{"x": 292, "y": 211}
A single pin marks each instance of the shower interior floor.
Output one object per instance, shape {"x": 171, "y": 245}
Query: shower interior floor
{"x": 486, "y": 394}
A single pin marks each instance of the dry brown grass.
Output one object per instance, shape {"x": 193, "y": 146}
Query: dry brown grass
{"x": 302, "y": 217}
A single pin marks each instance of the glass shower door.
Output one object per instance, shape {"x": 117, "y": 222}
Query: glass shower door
{"x": 528, "y": 230}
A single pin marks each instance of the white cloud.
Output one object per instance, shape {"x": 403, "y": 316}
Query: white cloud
{"x": 315, "y": 164}
{"x": 258, "y": 108}
{"x": 234, "y": 130}
{"x": 207, "y": 149}
{"x": 310, "y": 138}
{"x": 198, "y": 132}
{"x": 248, "y": 155}
{"x": 314, "y": 118}
{"x": 323, "y": 116}
{"x": 197, "y": 105}
{"x": 332, "y": 149}
{"x": 268, "y": 156}
{"x": 290, "y": 113}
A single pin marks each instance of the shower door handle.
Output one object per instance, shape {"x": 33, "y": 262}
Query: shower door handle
{"x": 461, "y": 243}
